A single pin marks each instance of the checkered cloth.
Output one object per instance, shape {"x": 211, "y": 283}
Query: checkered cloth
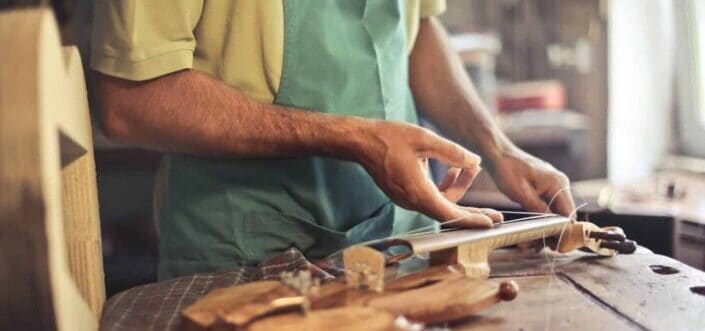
{"x": 158, "y": 306}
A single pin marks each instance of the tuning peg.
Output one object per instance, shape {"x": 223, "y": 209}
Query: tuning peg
{"x": 607, "y": 235}
{"x": 627, "y": 247}
{"x": 624, "y": 247}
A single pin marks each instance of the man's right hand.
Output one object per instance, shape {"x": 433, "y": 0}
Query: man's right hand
{"x": 396, "y": 156}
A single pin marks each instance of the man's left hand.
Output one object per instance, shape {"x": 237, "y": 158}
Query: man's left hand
{"x": 531, "y": 182}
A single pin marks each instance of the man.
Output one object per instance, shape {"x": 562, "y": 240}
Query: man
{"x": 294, "y": 123}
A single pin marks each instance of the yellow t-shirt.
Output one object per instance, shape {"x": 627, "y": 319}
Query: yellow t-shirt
{"x": 240, "y": 42}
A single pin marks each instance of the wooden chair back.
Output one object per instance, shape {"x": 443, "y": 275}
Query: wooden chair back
{"x": 51, "y": 270}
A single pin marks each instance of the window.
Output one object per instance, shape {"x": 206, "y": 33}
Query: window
{"x": 690, "y": 59}
{"x": 700, "y": 56}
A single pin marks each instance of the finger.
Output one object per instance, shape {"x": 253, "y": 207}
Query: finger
{"x": 474, "y": 220}
{"x": 494, "y": 215}
{"x": 450, "y": 177}
{"x": 437, "y": 206}
{"x": 531, "y": 201}
{"x": 447, "y": 152}
{"x": 428, "y": 200}
{"x": 413, "y": 190}
{"x": 457, "y": 189}
{"x": 563, "y": 203}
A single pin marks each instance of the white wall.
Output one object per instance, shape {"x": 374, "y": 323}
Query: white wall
{"x": 691, "y": 76}
{"x": 641, "y": 68}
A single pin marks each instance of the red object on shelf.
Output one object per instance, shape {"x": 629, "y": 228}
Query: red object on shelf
{"x": 543, "y": 95}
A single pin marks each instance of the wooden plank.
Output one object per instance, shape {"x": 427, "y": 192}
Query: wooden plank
{"x": 38, "y": 289}
{"x": 629, "y": 286}
{"x": 624, "y": 285}
{"x": 79, "y": 190}
{"x": 511, "y": 262}
{"x": 546, "y": 303}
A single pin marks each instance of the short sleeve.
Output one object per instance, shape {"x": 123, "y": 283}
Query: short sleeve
{"x": 143, "y": 39}
{"x": 432, "y": 7}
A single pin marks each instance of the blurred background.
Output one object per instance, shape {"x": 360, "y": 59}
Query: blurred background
{"x": 610, "y": 92}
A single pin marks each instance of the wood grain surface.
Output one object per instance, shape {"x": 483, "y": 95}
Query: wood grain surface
{"x": 583, "y": 292}
{"x": 353, "y": 318}
{"x": 629, "y": 287}
{"x": 546, "y": 303}
{"x": 429, "y": 302}
{"x": 576, "y": 291}
{"x": 447, "y": 300}
{"x": 237, "y": 305}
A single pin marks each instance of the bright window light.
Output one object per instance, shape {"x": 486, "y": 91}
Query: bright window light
{"x": 699, "y": 7}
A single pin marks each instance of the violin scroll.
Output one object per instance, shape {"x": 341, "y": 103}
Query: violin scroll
{"x": 607, "y": 241}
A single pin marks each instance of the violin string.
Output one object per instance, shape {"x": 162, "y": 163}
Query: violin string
{"x": 552, "y": 262}
{"x": 548, "y": 311}
{"x": 433, "y": 229}
{"x": 414, "y": 233}
{"x": 521, "y": 212}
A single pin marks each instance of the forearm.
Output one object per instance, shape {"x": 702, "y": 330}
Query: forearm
{"x": 190, "y": 112}
{"x": 447, "y": 97}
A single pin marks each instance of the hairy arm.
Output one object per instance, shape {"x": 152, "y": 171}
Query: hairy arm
{"x": 190, "y": 112}
{"x": 446, "y": 95}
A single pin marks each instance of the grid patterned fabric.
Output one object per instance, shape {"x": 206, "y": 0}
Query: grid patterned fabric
{"x": 158, "y": 306}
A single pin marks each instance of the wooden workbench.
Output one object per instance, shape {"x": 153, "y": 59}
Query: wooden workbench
{"x": 585, "y": 292}
{"x": 580, "y": 292}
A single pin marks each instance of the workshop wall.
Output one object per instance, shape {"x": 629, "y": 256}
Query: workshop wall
{"x": 551, "y": 40}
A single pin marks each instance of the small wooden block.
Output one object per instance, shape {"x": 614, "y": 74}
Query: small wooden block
{"x": 364, "y": 268}
{"x": 470, "y": 259}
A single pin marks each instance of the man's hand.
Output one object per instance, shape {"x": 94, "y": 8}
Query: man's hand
{"x": 532, "y": 182}
{"x": 396, "y": 156}
{"x": 446, "y": 95}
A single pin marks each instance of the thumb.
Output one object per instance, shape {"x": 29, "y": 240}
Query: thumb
{"x": 531, "y": 201}
{"x": 438, "y": 207}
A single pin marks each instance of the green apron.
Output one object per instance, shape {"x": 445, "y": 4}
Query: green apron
{"x": 346, "y": 57}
